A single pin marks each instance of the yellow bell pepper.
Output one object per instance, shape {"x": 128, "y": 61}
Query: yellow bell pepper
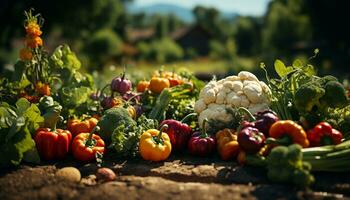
{"x": 155, "y": 144}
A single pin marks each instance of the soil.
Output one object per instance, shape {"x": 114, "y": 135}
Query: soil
{"x": 181, "y": 177}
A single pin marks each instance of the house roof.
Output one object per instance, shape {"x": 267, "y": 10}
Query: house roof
{"x": 140, "y": 34}
{"x": 181, "y": 32}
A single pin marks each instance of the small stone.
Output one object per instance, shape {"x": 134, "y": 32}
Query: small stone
{"x": 69, "y": 173}
{"x": 105, "y": 175}
{"x": 89, "y": 180}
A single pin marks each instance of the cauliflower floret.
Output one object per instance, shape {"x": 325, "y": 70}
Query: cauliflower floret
{"x": 232, "y": 78}
{"x": 228, "y": 84}
{"x": 220, "y": 97}
{"x": 234, "y": 99}
{"x": 264, "y": 87}
{"x": 220, "y": 82}
{"x": 237, "y": 86}
{"x": 199, "y": 106}
{"x": 215, "y": 111}
{"x": 253, "y": 92}
{"x": 254, "y": 108}
{"x": 244, "y": 101}
{"x": 226, "y": 90}
{"x": 218, "y": 88}
{"x": 211, "y": 84}
{"x": 209, "y": 96}
{"x": 244, "y": 75}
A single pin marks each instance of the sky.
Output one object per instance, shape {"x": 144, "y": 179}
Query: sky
{"x": 243, "y": 7}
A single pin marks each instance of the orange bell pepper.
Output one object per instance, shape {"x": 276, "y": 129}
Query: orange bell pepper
{"x": 155, "y": 144}
{"x": 157, "y": 84}
{"x": 286, "y": 132}
{"x": 142, "y": 86}
{"x": 85, "y": 146}
{"x": 227, "y": 144}
{"x": 76, "y": 126}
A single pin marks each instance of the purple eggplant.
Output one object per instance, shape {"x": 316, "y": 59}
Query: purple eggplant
{"x": 251, "y": 140}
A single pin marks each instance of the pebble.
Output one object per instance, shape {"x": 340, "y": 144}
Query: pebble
{"x": 105, "y": 175}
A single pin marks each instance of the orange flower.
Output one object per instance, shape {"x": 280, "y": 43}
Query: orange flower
{"x": 34, "y": 42}
{"x": 25, "y": 54}
{"x": 42, "y": 89}
{"x": 33, "y": 30}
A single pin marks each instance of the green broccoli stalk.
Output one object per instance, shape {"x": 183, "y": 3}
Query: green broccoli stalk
{"x": 285, "y": 165}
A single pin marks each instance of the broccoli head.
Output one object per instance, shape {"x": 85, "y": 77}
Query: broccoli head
{"x": 285, "y": 164}
{"x": 112, "y": 119}
{"x": 308, "y": 96}
{"x": 335, "y": 95}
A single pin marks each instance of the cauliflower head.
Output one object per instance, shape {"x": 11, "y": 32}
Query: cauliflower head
{"x": 243, "y": 90}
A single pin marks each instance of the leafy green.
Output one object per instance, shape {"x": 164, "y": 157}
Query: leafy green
{"x": 16, "y": 125}
{"x": 51, "y": 111}
{"x": 125, "y": 139}
{"x": 161, "y": 105}
{"x": 63, "y": 57}
{"x": 281, "y": 69}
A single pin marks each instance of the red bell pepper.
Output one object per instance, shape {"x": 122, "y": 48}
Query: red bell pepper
{"x": 201, "y": 144}
{"x": 178, "y": 132}
{"x": 52, "y": 143}
{"x": 85, "y": 146}
{"x": 324, "y": 134}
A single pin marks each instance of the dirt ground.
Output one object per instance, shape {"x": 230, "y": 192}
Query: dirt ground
{"x": 181, "y": 177}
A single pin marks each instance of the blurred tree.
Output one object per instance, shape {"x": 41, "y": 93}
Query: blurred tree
{"x": 102, "y": 46}
{"x": 77, "y": 19}
{"x": 162, "y": 26}
{"x": 160, "y": 50}
{"x": 223, "y": 50}
{"x": 329, "y": 20}
{"x": 247, "y": 34}
{"x": 286, "y": 23}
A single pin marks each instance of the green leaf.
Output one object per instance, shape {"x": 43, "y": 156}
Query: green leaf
{"x": 73, "y": 97}
{"x": 297, "y": 63}
{"x": 63, "y": 57}
{"x": 281, "y": 68}
{"x": 12, "y": 151}
{"x": 22, "y": 105}
{"x": 16, "y": 125}
{"x": 309, "y": 70}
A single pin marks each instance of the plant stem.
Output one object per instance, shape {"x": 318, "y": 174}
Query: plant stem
{"x": 204, "y": 129}
{"x": 187, "y": 117}
{"x": 247, "y": 112}
{"x": 159, "y": 136}
{"x": 89, "y": 140}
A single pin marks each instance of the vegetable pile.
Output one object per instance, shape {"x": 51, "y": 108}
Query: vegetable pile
{"x": 291, "y": 125}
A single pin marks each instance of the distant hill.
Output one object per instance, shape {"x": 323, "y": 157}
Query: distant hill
{"x": 183, "y": 13}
